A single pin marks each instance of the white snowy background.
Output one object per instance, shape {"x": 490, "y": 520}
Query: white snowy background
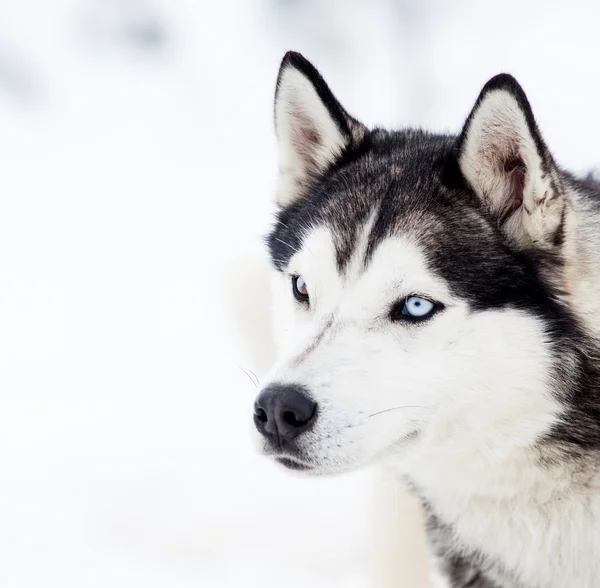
{"x": 137, "y": 164}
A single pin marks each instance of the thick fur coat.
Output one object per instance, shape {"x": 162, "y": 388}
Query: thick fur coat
{"x": 437, "y": 310}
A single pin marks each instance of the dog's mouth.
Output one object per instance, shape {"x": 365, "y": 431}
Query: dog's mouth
{"x": 296, "y": 460}
{"x": 291, "y": 457}
{"x": 292, "y": 463}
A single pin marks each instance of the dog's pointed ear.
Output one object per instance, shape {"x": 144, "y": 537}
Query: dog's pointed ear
{"x": 506, "y": 162}
{"x": 313, "y": 130}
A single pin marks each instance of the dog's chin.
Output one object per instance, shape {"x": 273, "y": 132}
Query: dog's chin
{"x": 305, "y": 466}
{"x": 320, "y": 465}
{"x": 305, "y": 469}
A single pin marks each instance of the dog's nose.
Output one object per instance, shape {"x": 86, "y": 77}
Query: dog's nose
{"x": 282, "y": 412}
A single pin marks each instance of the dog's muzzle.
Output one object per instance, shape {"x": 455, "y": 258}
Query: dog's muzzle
{"x": 282, "y": 412}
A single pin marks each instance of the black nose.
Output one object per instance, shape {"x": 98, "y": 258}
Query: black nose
{"x": 282, "y": 412}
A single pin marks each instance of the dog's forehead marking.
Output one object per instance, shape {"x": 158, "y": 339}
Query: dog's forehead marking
{"x": 355, "y": 261}
{"x": 397, "y": 266}
{"x": 385, "y": 208}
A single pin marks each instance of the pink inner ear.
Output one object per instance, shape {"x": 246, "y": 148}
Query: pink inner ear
{"x": 306, "y": 137}
{"x": 515, "y": 169}
{"x": 306, "y": 131}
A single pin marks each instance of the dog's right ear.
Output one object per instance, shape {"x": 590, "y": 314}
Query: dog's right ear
{"x": 313, "y": 130}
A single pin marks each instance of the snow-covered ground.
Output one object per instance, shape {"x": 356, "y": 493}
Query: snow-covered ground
{"x": 137, "y": 165}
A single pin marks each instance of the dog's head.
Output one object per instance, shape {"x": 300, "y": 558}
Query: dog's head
{"x": 413, "y": 276}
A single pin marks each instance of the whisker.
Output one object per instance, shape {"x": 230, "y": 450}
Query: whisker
{"x": 304, "y": 227}
{"x": 286, "y": 244}
{"x": 255, "y": 376}
{"x": 255, "y": 384}
{"x": 397, "y": 408}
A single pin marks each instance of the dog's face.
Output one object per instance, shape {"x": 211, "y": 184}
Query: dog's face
{"x": 411, "y": 306}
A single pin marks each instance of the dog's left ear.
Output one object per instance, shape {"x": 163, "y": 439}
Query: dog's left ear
{"x": 504, "y": 159}
{"x": 313, "y": 129}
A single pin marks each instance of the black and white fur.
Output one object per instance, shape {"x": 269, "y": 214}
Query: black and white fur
{"x": 490, "y": 409}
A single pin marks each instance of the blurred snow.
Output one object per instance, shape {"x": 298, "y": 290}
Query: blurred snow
{"x": 138, "y": 165}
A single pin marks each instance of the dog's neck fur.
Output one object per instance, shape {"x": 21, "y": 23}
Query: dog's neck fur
{"x": 541, "y": 524}
{"x": 527, "y": 511}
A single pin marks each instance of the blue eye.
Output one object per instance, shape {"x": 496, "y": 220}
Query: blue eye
{"x": 414, "y": 308}
{"x": 417, "y": 307}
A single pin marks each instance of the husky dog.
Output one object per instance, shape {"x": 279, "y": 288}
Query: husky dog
{"x": 438, "y": 311}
